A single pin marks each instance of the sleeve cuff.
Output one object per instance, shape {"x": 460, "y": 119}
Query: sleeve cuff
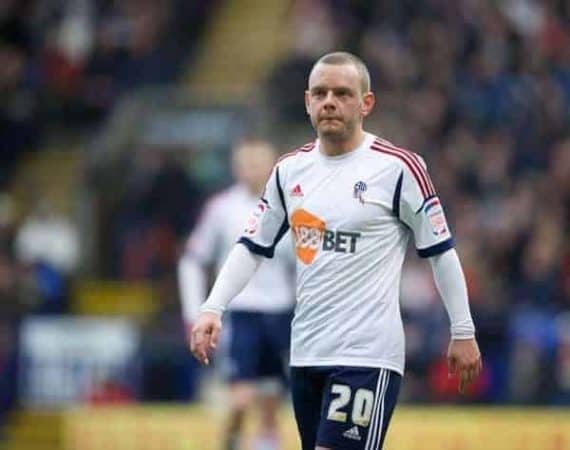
{"x": 436, "y": 249}
{"x": 463, "y": 337}
{"x": 212, "y": 309}
{"x": 267, "y": 252}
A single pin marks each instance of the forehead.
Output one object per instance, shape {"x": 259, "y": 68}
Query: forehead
{"x": 334, "y": 75}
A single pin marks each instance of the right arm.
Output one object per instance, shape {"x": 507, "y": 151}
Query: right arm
{"x": 201, "y": 251}
{"x": 265, "y": 227}
{"x": 238, "y": 269}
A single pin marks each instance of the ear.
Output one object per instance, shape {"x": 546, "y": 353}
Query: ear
{"x": 368, "y": 102}
{"x": 307, "y": 102}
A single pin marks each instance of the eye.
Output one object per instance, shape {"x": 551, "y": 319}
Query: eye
{"x": 319, "y": 93}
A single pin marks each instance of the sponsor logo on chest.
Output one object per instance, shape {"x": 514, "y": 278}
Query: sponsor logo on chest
{"x": 311, "y": 236}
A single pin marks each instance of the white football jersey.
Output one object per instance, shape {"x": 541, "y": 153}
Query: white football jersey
{"x": 221, "y": 224}
{"x": 350, "y": 218}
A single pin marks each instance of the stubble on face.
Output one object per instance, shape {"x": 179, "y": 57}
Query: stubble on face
{"x": 337, "y": 130}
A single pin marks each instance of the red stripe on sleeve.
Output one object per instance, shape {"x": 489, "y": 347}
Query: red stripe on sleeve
{"x": 410, "y": 162}
{"x": 425, "y": 175}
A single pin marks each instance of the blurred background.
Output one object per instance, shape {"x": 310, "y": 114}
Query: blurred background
{"x": 117, "y": 119}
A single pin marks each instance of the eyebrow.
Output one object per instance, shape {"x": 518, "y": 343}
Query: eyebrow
{"x": 334, "y": 89}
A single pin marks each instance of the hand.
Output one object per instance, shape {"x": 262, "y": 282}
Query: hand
{"x": 205, "y": 335}
{"x": 464, "y": 359}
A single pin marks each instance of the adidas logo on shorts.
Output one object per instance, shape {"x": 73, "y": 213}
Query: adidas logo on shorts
{"x": 352, "y": 433}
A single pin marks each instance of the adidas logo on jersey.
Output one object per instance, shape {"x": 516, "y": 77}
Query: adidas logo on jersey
{"x": 296, "y": 191}
{"x": 352, "y": 433}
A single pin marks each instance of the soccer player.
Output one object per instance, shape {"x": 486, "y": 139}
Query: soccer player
{"x": 351, "y": 199}
{"x": 257, "y": 341}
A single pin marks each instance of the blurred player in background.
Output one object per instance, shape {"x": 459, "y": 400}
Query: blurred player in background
{"x": 256, "y": 340}
{"x": 351, "y": 200}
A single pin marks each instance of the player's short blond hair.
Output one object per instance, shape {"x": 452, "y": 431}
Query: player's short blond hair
{"x": 341, "y": 58}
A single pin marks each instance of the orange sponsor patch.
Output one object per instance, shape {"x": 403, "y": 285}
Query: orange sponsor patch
{"x": 308, "y": 231}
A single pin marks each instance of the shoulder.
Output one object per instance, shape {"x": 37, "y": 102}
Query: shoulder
{"x": 297, "y": 154}
{"x": 397, "y": 155}
{"x": 408, "y": 162}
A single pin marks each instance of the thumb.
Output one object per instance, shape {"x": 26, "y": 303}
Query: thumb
{"x": 215, "y": 337}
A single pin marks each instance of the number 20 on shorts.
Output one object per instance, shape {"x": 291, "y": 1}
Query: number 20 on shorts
{"x": 361, "y": 406}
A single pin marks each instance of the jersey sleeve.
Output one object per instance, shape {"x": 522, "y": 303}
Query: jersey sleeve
{"x": 203, "y": 244}
{"x": 268, "y": 221}
{"x": 421, "y": 210}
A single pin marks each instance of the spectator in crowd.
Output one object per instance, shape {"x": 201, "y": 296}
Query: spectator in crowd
{"x": 47, "y": 249}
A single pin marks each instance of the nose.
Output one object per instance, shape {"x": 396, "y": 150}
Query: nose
{"x": 329, "y": 102}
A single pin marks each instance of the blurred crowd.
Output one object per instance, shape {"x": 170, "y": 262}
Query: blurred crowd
{"x": 66, "y": 63}
{"x": 481, "y": 89}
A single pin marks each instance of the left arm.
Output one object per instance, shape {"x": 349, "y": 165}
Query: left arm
{"x": 417, "y": 205}
{"x": 451, "y": 285}
{"x": 463, "y": 354}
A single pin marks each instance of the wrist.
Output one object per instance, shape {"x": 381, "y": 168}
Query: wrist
{"x": 214, "y": 309}
{"x": 462, "y": 338}
{"x": 462, "y": 330}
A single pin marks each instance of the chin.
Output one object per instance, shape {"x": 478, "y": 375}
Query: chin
{"x": 331, "y": 133}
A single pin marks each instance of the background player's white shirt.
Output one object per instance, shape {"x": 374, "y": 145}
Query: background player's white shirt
{"x": 350, "y": 217}
{"x": 219, "y": 227}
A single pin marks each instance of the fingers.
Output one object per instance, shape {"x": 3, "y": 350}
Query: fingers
{"x": 199, "y": 344}
{"x": 214, "y": 338}
{"x": 464, "y": 380}
{"x": 464, "y": 359}
{"x": 468, "y": 374}
{"x": 204, "y": 337}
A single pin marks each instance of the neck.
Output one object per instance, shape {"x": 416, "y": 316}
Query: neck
{"x": 337, "y": 147}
